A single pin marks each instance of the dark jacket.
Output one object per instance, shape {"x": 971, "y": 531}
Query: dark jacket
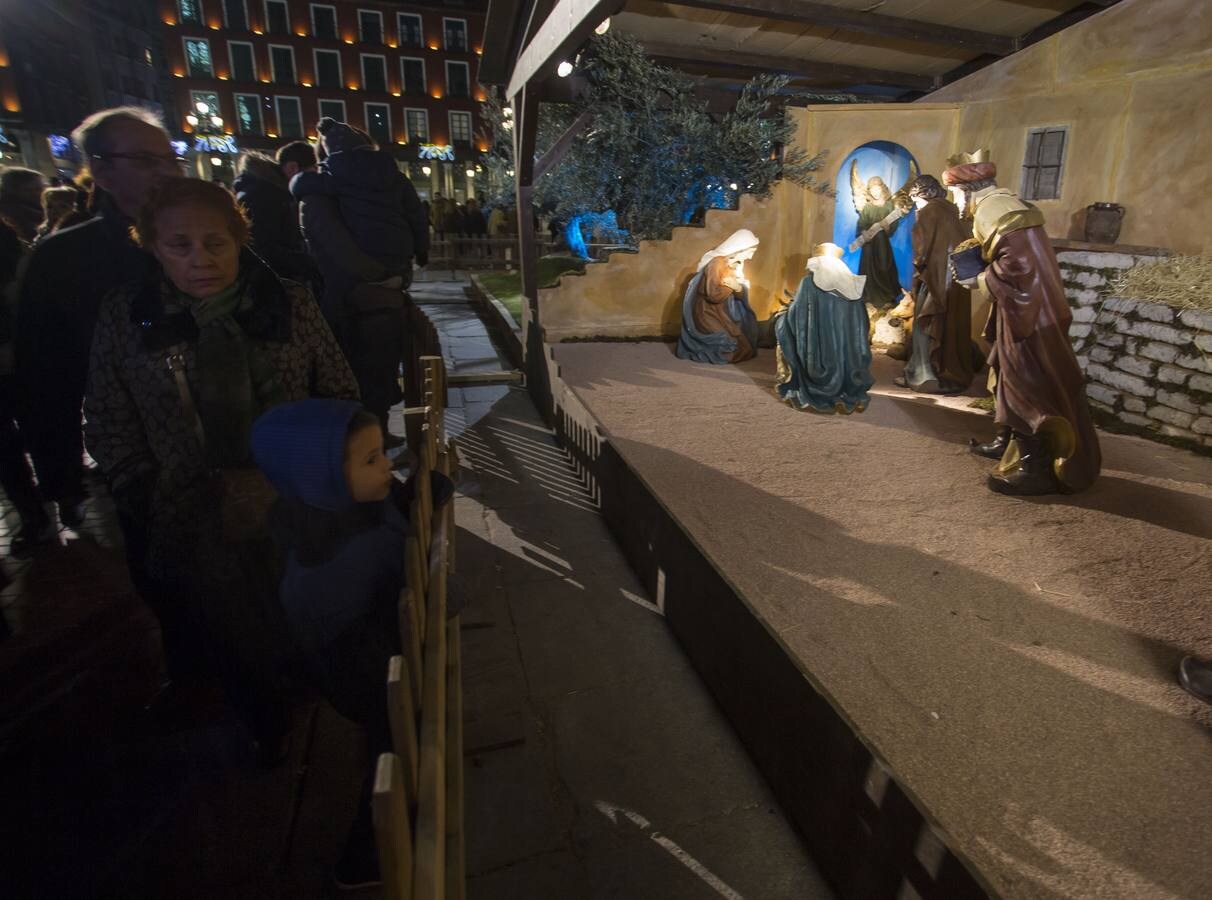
{"x": 137, "y": 430}
{"x": 24, "y": 217}
{"x": 345, "y": 560}
{"x": 277, "y": 238}
{"x": 378, "y": 204}
{"x": 68, "y": 274}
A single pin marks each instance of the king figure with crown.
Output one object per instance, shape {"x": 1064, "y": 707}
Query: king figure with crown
{"x": 1046, "y": 441}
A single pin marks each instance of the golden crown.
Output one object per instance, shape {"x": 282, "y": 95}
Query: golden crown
{"x": 976, "y": 156}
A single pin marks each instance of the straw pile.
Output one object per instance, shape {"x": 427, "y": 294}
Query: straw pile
{"x": 1184, "y": 282}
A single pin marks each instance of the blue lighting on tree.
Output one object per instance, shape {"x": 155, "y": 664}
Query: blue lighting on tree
{"x": 604, "y": 226}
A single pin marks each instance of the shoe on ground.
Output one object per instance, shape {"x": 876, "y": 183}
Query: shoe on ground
{"x": 995, "y": 449}
{"x": 1196, "y": 678}
{"x": 32, "y": 538}
{"x": 358, "y": 868}
{"x": 72, "y": 515}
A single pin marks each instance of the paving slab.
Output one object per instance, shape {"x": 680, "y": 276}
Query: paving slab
{"x": 570, "y": 668}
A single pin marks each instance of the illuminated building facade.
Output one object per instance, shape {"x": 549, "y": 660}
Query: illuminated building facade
{"x": 63, "y": 59}
{"x": 270, "y": 69}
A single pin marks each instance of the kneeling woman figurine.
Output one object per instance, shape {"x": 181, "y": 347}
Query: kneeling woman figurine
{"x": 717, "y": 324}
{"x": 824, "y": 355}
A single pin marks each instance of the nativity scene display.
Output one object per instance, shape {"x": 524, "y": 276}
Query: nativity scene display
{"x": 959, "y": 239}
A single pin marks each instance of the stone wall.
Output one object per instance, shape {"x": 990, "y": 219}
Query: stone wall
{"x": 1148, "y": 365}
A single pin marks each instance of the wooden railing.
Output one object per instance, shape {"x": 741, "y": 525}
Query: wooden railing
{"x": 418, "y": 794}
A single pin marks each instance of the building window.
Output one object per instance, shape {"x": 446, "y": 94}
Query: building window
{"x": 248, "y": 114}
{"x": 324, "y": 21}
{"x": 290, "y": 117}
{"x": 1043, "y": 163}
{"x": 235, "y": 15}
{"x": 282, "y": 64}
{"x": 412, "y": 73}
{"x": 332, "y": 109}
{"x": 204, "y": 104}
{"x": 197, "y": 58}
{"x": 328, "y": 69}
{"x": 374, "y": 73}
{"x": 378, "y": 123}
{"x": 370, "y": 26}
{"x": 411, "y": 34}
{"x": 458, "y": 79}
{"x": 455, "y": 34}
{"x": 277, "y": 17}
{"x": 416, "y": 123}
{"x": 460, "y": 127}
{"x": 191, "y": 11}
{"x": 243, "y": 68}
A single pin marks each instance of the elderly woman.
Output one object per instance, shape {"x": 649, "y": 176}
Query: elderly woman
{"x": 718, "y": 325}
{"x": 183, "y": 361}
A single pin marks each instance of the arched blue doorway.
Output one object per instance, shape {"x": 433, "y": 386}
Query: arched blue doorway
{"x": 894, "y": 164}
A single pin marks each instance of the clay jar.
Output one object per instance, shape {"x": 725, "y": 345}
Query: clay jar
{"x": 1103, "y": 221}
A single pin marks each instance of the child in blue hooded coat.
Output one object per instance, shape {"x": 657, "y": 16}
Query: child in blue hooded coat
{"x": 342, "y": 519}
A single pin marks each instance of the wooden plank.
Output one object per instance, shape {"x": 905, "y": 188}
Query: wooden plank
{"x": 456, "y": 862}
{"x": 468, "y": 379}
{"x": 857, "y": 21}
{"x": 835, "y": 74}
{"x": 569, "y": 25}
{"x": 393, "y": 837}
{"x": 410, "y": 637}
{"x": 402, "y": 718}
{"x": 416, "y": 574}
{"x": 429, "y": 878}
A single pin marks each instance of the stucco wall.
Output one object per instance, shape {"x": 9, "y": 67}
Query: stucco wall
{"x": 1134, "y": 84}
{"x": 640, "y": 294}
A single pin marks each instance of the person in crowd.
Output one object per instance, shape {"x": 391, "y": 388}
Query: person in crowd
{"x": 261, "y": 186}
{"x": 67, "y": 275}
{"x": 184, "y": 359}
{"x": 477, "y": 228}
{"x": 296, "y": 157}
{"x": 57, "y": 204}
{"x": 379, "y": 209}
{"x": 15, "y": 475}
{"x": 438, "y": 216}
{"x": 21, "y": 200}
{"x": 342, "y": 519}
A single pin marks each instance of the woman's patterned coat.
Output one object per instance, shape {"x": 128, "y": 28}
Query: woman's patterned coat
{"x": 137, "y": 431}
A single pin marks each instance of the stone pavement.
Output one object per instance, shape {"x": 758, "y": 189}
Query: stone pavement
{"x": 597, "y": 764}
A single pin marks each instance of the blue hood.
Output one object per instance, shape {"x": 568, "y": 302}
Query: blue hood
{"x": 300, "y": 447}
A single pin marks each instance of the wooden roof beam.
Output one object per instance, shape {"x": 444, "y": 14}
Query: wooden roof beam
{"x": 829, "y": 72}
{"x": 854, "y": 20}
{"x": 569, "y": 25}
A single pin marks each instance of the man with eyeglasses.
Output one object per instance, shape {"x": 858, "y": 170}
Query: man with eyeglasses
{"x": 68, "y": 274}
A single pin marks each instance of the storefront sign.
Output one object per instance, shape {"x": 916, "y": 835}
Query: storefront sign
{"x": 180, "y": 147}
{"x": 436, "y": 151}
{"x": 215, "y": 143}
{"x": 60, "y": 145}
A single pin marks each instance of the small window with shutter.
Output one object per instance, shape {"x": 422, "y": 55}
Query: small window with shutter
{"x": 1044, "y": 162}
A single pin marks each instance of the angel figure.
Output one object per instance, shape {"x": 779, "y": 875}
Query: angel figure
{"x": 879, "y": 213}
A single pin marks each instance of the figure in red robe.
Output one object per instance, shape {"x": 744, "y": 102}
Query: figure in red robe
{"x": 1047, "y": 442}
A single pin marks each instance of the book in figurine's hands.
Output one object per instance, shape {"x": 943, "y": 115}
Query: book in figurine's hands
{"x": 966, "y": 264}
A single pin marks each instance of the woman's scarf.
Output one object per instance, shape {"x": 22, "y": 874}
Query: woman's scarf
{"x": 742, "y": 239}
{"x": 233, "y": 380}
{"x": 831, "y": 274}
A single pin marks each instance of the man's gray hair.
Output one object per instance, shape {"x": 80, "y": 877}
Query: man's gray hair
{"x": 94, "y": 135}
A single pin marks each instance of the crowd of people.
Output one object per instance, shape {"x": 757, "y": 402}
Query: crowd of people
{"x": 228, "y": 358}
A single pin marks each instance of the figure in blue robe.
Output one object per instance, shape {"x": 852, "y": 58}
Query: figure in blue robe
{"x": 718, "y": 325}
{"x": 824, "y": 362}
